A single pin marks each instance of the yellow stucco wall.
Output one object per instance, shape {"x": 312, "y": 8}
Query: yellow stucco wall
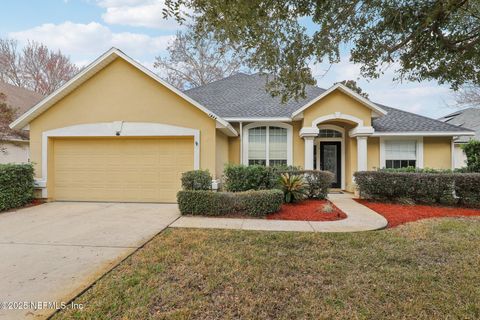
{"x": 298, "y": 145}
{"x": 337, "y": 101}
{"x": 437, "y": 152}
{"x": 373, "y": 153}
{"x": 122, "y": 92}
{"x": 221, "y": 153}
{"x": 234, "y": 146}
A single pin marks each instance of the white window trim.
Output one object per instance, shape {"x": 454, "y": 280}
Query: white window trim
{"x": 419, "y": 151}
{"x": 268, "y": 124}
{"x": 342, "y": 146}
{"x": 116, "y": 129}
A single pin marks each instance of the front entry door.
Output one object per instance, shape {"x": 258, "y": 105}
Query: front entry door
{"x": 330, "y": 160}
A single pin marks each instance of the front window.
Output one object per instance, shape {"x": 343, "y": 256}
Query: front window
{"x": 267, "y": 145}
{"x": 257, "y": 146}
{"x": 400, "y": 153}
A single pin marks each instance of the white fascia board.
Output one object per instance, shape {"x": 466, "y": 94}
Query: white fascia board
{"x": 423, "y": 133}
{"x": 91, "y": 69}
{"x": 264, "y": 119}
{"x": 347, "y": 91}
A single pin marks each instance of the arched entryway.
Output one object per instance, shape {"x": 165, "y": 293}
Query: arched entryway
{"x": 329, "y": 152}
{"x": 327, "y": 136}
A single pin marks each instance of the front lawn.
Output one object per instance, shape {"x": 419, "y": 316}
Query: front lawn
{"x": 423, "y": 270}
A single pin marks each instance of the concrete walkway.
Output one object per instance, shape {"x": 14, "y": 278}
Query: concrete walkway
{"x": 359, "y": 218}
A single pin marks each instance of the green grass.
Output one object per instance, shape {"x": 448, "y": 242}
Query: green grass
{"x": 424, "y": 270}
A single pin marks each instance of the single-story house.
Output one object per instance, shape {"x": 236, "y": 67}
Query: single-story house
{"x": 13, "y": 144}
{"x": 117, "y": 132}
{"x": 467, "y": 118}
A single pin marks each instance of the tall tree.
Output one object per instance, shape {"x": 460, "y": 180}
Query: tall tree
{"x": 7, "y": 115}
{"x": 468, "y": 96}
{"x": 352, "y": 84}
{"x": 35, "y": 67}
{"x": 194, "y": 60}
{"x": 426, "y": 39}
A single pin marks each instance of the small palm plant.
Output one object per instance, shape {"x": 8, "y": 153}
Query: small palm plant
{"x": 293, "y": 186}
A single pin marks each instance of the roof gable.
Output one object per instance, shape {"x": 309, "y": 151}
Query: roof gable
{"x": 94, "y": 68}
{"x": 340, "y": 87}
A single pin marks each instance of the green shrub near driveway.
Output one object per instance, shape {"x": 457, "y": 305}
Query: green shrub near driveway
{"x": 16, "y": 185}
{"x": 254, "y": 203}
{"x": 429, "y": 188}
{"x": 196, "y": 180}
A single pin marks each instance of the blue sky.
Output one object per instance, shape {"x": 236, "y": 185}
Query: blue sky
{"x": 83, "y": 29}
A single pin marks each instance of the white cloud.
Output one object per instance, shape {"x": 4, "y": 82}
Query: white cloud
{"x": 137, "y": 13}
{"x": 426, "y": 98}
{"x": 84, "y": 42}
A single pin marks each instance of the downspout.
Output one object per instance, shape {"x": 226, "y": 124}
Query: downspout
{"x": 241, "y": 142}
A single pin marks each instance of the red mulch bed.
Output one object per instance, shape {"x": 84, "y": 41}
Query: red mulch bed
{"x": 308, "y": 210}
{"x": 397, "y": 214}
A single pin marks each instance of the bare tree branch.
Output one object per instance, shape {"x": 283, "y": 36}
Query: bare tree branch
{"x": 36, "y": 67}
{"x": 197, "y": 60}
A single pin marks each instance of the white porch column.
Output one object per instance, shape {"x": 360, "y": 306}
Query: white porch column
{"x": 308, "y": 153}
{"x": 362, "y": 153}
{"x": 308, "y": 134}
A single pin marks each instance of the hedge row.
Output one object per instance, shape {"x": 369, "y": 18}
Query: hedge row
{"x": 429, "y": 188}
{"x": 16, "y": 185}
{"x": 239, "y": 178}
{"x": 254, "y": 203}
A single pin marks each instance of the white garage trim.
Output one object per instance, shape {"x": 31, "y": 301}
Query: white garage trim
{"x": 116, "y": 129}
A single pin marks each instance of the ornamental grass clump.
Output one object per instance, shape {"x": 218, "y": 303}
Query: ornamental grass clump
{"x": 293, "y": 186}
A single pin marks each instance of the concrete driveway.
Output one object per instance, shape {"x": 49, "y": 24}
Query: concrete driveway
{"x": 51, "y": 252}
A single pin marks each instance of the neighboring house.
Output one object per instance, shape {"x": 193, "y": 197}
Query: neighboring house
{"x": 467, "y": 118}
{"x": 117, "y": 132}
{"x": 14, "y": 146}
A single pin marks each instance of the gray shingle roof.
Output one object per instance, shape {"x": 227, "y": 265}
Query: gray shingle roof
{"x": 467, "y": 118}
{"x": 20, "y": 100}
{"x": 242, "y": 95}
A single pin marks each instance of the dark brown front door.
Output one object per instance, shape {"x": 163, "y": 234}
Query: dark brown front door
{"x": 330, "y": 160}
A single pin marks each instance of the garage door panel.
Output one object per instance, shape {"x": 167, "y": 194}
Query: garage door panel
{"x": 136, "y": 170}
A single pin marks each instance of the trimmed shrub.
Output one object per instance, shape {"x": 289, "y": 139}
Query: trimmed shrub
{"x": 416, "y": 187}
{"x": 467, "y": 189}
{"x": 260, "y": 203}
{"x": 254, "y": 203}
{"x": 318, "y": 182}
{"x": 472, "y": 151}
{"x": 242, "y": 178}
{"x": 196, "y": 180}
{"x": 429, "y": 188}
{"x": 416, "y": 170}
{"x": 16, "y": 185}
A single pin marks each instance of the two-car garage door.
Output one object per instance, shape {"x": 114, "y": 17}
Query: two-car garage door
{"x": 120, "y": 169}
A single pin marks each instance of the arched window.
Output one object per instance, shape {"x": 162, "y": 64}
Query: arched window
{"x": 268, "y": 145}
{"x": 329, "y": 133}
